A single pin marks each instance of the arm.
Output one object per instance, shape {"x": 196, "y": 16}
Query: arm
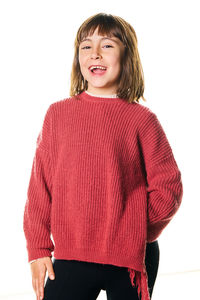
{"x": 32, "y": 261}
{"x": 36, "y": 219}
{"x": 164, "y": 185}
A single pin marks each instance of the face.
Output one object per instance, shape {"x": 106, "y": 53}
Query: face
{"x": 97, "y": 50}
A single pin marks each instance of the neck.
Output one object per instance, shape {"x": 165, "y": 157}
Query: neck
{"x": 87, "y": 96}
{"x": 103, "y": 96}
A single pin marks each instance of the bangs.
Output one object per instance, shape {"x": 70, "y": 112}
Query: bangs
{"x": 106, "y": 24}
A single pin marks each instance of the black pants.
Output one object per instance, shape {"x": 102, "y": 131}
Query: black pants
{"x": 80, "y": 280}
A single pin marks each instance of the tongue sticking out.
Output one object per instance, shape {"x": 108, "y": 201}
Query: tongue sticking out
{"x": 98, "y": 71}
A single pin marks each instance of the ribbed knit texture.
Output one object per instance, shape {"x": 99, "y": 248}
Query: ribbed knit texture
{"x": 104, "y": 182}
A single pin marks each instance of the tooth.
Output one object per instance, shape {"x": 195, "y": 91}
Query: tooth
{"x": 102, "y": 68}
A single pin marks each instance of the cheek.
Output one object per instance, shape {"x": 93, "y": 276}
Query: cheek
{"x": 115, "y": 61}
{"x": 81, "y": 63}
{"x": 81, "y": 59}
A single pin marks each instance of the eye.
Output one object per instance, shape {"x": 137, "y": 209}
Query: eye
{"x": 85, "y": 47}
{"x": 108, "y": 46}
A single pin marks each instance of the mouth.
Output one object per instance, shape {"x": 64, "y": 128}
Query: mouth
{"x": 97, "y": 70}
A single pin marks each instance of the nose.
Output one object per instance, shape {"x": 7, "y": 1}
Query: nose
{"x": 95, "y": 53}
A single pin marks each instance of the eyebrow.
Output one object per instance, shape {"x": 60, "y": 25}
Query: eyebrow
{"x": 103, "y": 38}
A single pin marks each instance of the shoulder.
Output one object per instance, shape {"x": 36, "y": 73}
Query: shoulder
{"x": 148, "y": 122}
{"x": 57, "y": 107}
{"x": 144, "y": 110}
{"x": 143, "y": 114}
{"x": 61, "y": 103}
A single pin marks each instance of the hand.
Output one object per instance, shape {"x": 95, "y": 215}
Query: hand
{"x": 38, "y": 270}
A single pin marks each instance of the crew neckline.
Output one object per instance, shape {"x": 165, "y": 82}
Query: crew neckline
{"x": 102, "y": 96}
{"x": 99, "y": 98}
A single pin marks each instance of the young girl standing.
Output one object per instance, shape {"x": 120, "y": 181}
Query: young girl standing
{"x": 104, "y": 181}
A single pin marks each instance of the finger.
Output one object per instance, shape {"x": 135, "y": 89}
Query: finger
{"x": 50, "y": 270}
{"x": 34, "y": 284}
{"x": 37, "y": 289}
{"x": 41, "y": 288}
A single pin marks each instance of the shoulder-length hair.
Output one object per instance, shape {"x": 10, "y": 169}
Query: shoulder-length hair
{"x": 131, "y": 81}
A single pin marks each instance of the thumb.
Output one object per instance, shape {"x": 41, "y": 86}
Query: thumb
{"x": 50, "y": 270}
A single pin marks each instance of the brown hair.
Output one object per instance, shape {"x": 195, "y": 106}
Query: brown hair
{"x": 131, "y": 82}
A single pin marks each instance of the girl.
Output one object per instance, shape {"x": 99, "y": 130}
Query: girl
{"x": 104, "y": 181}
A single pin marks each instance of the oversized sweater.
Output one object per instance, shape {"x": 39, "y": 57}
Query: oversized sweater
{"x": 104, "y": 182}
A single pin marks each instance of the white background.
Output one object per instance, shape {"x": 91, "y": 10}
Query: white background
{"x": 36, "y": 55}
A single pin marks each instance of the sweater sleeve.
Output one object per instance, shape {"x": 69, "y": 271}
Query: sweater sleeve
{"x": 164, "y": 184}
{"x": 36, "y": 219}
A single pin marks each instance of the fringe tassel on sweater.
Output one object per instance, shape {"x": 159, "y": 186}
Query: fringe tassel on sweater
{"x": 140, "y": 280}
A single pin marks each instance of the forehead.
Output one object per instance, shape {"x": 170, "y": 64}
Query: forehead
{"x": 96, "y": 35}
{"x": 99, "y": 32}
{"x": 99, "y": 37}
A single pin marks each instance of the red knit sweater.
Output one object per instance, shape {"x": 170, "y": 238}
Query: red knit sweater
{"x": 104, "y": 182}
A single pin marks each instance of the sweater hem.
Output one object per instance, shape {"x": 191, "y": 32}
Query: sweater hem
{"x": 102, "y": 258}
